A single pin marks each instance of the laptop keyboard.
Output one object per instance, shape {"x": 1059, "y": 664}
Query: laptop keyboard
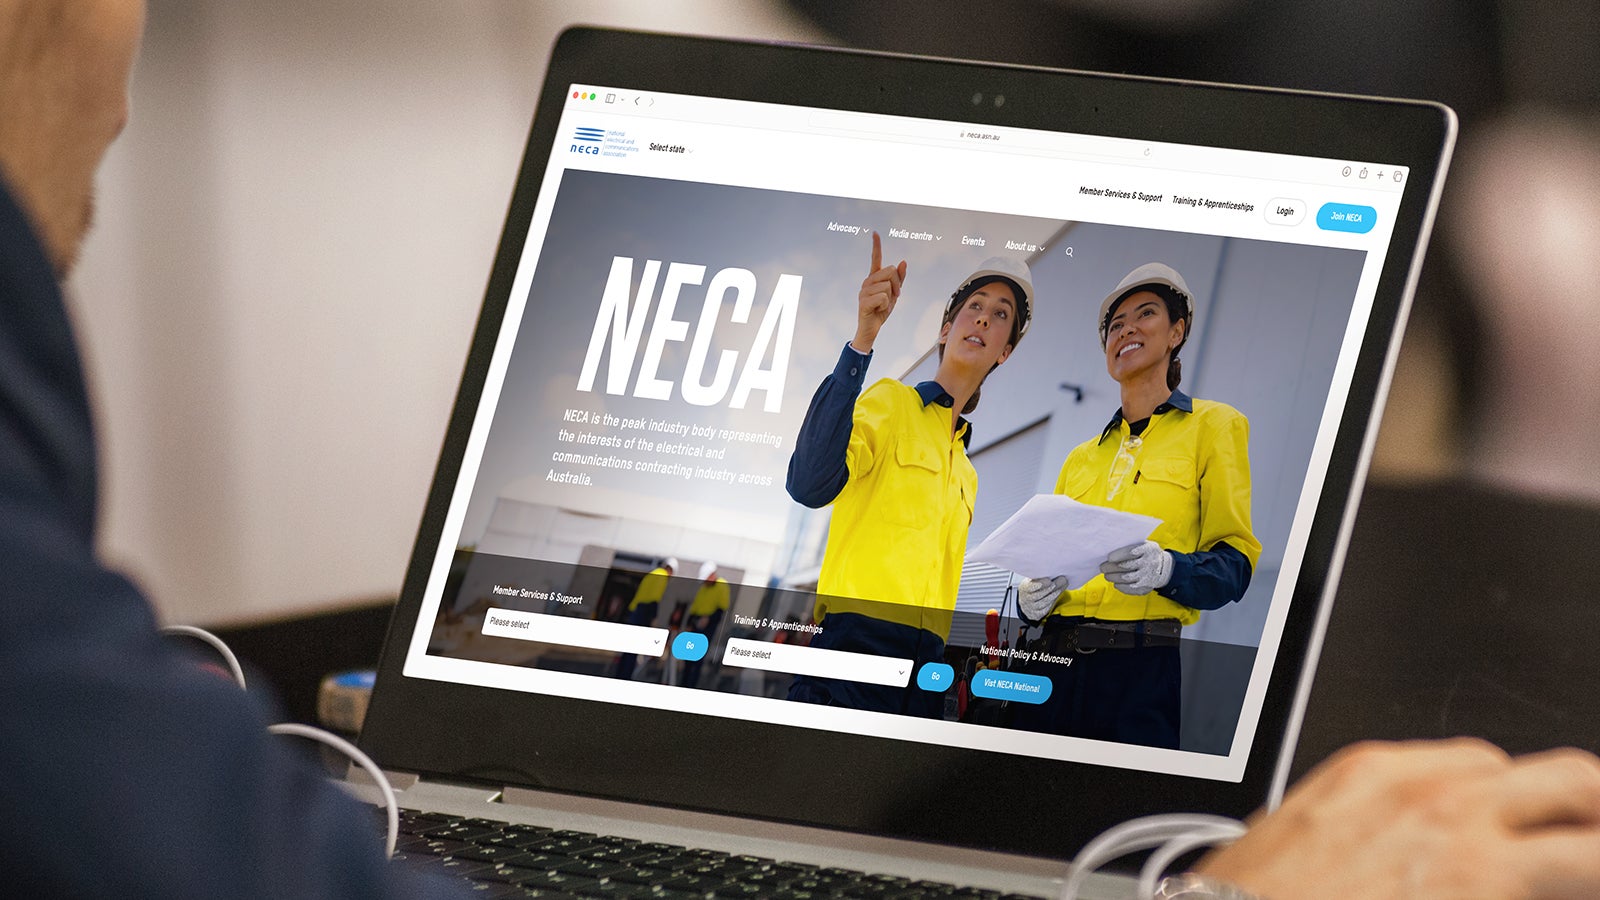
{"x": 499, "y": 859}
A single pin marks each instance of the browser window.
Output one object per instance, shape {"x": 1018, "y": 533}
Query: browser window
{"x": 686, "y": 489}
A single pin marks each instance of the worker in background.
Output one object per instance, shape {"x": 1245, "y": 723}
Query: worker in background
{"x": 705, "y": 614}
{"x": 1163, "y": 454}
{"x": 643, "y": 607}
{"x": 892, "y": 461}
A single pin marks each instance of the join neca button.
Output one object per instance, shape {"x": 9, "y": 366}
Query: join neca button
{"x": 994, "y": 684}
{"x": 1346, "y": 217}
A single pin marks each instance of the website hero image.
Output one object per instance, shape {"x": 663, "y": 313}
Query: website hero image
{"x": 696, "y": 485}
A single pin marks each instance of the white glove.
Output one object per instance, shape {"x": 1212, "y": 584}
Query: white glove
{"x": 1138, "y": 568}
{"x": 1036, "y": 597}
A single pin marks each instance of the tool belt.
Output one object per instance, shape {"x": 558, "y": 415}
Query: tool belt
{"x": 1067, "y": 635}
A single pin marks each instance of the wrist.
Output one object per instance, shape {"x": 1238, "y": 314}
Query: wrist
{"x": 862, "y": 342}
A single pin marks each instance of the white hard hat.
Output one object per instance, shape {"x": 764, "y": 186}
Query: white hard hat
{"x": 707, "y": 569}
{"x": 671, "y": 562}
{"x": 1012, "y": 270}
{"x": 1146, "y": 276}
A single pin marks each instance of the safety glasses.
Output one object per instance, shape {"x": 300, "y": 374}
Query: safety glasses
{"x": 1124, "y": 462}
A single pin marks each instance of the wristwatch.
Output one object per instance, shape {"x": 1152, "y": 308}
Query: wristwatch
{"x": 1190, "y": 886}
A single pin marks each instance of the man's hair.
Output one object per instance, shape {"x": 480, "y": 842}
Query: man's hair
{"x": 954, "y": 309}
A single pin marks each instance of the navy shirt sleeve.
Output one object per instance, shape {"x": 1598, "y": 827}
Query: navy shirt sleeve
{"x": 817, "y": 468}
{"x": 129, "y": 771}
{"x": 1208, "y": 579}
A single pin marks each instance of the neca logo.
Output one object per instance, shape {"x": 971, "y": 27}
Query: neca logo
{"x": 620, "y": 327}
{"x": 586, "y": 137}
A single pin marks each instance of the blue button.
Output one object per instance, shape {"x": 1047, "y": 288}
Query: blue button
{"x": 1346, "y": 217}
{"x": 994, "y": 684}
{"x": 690, "y": 646}
{"x": 936, "y": 677}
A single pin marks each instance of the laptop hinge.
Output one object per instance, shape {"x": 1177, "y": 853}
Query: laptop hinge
{"x": 420, "y": 792}
{"x": 400, "y": 781}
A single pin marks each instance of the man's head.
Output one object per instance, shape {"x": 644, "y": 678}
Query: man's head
{"x": 708, "y": 571}
{"x": 64, "y": 67}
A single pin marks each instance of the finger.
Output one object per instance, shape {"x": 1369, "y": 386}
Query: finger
{"x": 902, "y": 271}
{"x": 1389, "y": 769}
{"x": 1558, "y": 865}
{"x": 877, "y": 252}
{"x": 875, "y": 289}
{"x": 884, "y": 276}
{"x": 896, "y": 278}
{"x": 1123, "y": 554}
{"x": 1559, "y": 787}
{"x": 879, "y": 306}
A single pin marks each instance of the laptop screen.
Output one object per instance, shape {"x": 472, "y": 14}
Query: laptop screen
{"x": 684, "y": 487}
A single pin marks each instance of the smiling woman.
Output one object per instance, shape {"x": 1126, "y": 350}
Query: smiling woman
{"x": 1163, "y": 454}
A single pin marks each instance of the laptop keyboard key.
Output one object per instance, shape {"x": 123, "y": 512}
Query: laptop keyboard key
{"x": 493, "y": 890}
{"x": 491, "y": 854}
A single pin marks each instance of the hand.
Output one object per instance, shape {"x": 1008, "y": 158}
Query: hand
{"x": 1422, "y": 820}
{"x": 1036, "y": 597}
{"x": 1138, "y": 568}
{"x": 879, "y": 292}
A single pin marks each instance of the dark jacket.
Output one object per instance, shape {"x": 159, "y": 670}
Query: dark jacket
{"x": 125, "y": 769}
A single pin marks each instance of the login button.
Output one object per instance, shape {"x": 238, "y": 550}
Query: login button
{"x": 1346, "y": 217}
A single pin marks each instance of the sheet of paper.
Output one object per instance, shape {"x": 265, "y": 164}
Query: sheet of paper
{"x": 1056, "y": 535}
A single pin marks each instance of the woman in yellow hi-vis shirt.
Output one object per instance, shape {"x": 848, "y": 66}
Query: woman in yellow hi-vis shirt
{"x": 705, "y": 614}
{"x": 893, "y": 464}
{"x": 1163, "y": 454}
{"x": 642, "y": 609}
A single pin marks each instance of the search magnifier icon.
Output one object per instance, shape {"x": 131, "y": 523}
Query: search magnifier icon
{"x": 1069, "y": 252}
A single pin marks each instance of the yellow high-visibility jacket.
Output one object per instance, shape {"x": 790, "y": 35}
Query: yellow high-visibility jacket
{"x": 651, "y": 588}
{"x": 899, "y": 527}
{"x": 1192, "y": 471}
{"x": 710, "y": 598}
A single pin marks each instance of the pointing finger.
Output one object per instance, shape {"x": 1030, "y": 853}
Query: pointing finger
{"x": 877, "y": 253}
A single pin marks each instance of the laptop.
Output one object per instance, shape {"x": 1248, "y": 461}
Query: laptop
{"x": 617, "y": 617}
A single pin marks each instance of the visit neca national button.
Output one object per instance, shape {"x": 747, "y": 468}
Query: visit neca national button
{"x": 995, "y": 684}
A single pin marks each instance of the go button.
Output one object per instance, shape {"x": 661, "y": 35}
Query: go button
{"x": 690, "y": 646}
{"x": 1346, "y": 217}
{"x": 993, "y": 684}
{"x": 936, "y": 677}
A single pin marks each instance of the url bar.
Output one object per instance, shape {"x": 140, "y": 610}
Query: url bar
{"x": 846, "y": 124}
